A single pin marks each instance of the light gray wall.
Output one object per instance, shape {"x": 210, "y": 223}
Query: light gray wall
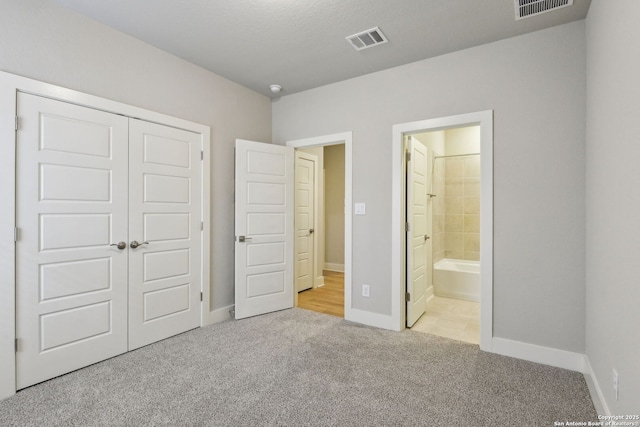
{"x": 536, "y": 85}
{"x": 48, "y": 43}
{"x": 613, "y": 199}
{"x": 334, "y": 203}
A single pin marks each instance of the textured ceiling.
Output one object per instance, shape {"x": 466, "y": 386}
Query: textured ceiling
{"x": 300, "y": 44}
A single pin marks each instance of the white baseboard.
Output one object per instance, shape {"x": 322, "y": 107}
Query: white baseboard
{"x": 597, "y": 397}
{"x": 370, "y": 319}
{"x": 220, "y": 315}
{"x": 319, "y": 281}
{"x": 332, "y": 266}
{"x": 539, "y": 354}
{"x": 429, "y": 294}
{"x": 467, "y": 296}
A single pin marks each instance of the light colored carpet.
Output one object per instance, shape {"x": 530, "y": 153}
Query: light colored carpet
{"x": 299, "y": 368}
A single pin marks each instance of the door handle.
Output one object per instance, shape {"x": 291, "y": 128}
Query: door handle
{"x": 311, "y": 231}
{"x": 134, "y": 244}
{"x": 426, "y": 237}
{"x": 119, "y": 245}
{"x": 243, "y": 239}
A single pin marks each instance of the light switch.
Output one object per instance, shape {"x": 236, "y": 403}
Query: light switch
{"x": 360, "y": 209}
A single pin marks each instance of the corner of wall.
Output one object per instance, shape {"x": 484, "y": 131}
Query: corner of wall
{"x": 597, "y": 396}
{"x": 221, "y": 314}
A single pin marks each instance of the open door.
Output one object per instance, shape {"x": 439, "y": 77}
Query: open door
{"x": 417, "y": 237}
{"x": 305, "y": 185}
{"x": 264, "y": 233}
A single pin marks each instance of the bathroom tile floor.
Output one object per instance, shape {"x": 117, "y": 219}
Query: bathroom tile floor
{"x": 451, "y": 318}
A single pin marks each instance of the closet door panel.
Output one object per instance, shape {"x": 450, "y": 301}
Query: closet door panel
{"x": 71, "y": 204}
{"x": 165, "y": 215}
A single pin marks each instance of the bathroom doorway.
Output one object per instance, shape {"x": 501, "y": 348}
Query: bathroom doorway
{"x": 443, "y": 240}
{"x": 432, "y": 134}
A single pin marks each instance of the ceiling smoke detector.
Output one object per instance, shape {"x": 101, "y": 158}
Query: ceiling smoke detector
{"x": 529, "y": 8}
{"x": 367, "y": 39}
{"x": 275, "y": 88}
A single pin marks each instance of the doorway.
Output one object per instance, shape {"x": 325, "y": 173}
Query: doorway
{"x": 443, "y": 254}
{"x": 331, "y": 292}
{"x": 320, "y": 231}
{"x": 484, "y": 120}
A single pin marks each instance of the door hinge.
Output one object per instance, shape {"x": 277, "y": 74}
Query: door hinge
{"x": 407, "y": 296}
{"x": 16, "y": 232}
{"x": 201, "y": 296}
{"x": 408, "y": 156}
{"x": 407, "y": 227}
{"x": 201, "y": 225}
{"x": 201, "y": 155}
{"x": 17, "y": 123}
{"x": 17, "y": 345}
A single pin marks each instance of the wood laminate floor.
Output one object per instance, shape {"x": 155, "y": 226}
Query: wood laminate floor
{"x": 328, "y": 299}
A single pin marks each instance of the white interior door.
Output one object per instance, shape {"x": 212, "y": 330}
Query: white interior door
{"x": 164, "y": 232}
{"x": 71, "y": 205}
{"x": 305, "y": 165}
{"x": 264, "y": 184}
{"x": 417, "y": 238}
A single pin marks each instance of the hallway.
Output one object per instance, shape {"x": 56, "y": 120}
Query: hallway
{"x": 327, "y": 299}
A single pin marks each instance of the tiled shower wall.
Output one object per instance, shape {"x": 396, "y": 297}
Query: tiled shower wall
{"x": 461, "y": 207}
{"x": 437, "y": 206}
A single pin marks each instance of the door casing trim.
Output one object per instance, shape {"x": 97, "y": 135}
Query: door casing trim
{"x": 398, "y": 307}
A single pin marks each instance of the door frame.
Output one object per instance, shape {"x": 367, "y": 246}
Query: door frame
{"x": 345, "y": 138}
{"x": 398, "y": 211}
{"x": 10, "y": 85}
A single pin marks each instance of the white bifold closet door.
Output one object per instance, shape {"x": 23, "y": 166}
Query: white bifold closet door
{"x": 88, "y": 181}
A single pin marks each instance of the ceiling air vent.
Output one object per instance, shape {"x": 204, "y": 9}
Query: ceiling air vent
{"x": 528, "y": 8}
{"x": 367, "y": 39}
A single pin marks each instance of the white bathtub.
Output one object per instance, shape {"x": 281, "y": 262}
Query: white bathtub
{"x": 455, "y": 278}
